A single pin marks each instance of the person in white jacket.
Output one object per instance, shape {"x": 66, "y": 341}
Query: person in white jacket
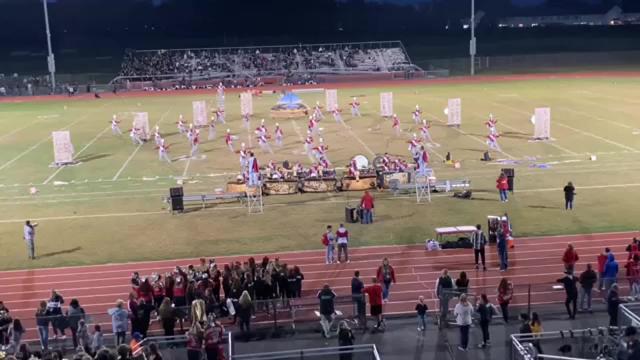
{"x": 463, "y": 312}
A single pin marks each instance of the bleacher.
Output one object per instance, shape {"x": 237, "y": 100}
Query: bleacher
{"x": 314, "y": 59}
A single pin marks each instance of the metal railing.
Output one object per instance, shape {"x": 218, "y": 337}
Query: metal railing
{"x": 358, "y": 352}
{"x": 582, "y": 344}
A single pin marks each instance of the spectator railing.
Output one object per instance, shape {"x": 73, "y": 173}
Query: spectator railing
{"x": 357, "y": 352}
{"x": 585, "y": 344}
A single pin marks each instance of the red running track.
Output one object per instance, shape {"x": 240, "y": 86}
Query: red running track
{"x": 535, "y": 261}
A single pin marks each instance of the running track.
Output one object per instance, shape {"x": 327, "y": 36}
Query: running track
{"x": 535, "y": 260}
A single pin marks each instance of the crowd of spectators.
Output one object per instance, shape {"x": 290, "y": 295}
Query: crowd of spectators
{"x": 17, "y": 85}
{"x": 275, "y": 60}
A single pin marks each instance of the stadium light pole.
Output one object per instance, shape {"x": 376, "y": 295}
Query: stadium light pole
{"x": 51, "y": 62}
{"x": 472, "y": 43}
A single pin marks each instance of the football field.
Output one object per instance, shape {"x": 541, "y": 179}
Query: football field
{"x": 108, "y": 207}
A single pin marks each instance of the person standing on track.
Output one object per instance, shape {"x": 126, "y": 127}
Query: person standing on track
{"x": 386, "y": 275}
{"x": 587, "y": 279}
{"x": 342, "y": 238}
{"x": 479, "y": 241}
{"x": 463, "y": 312}
{"x": 503, "y": 248}
{"x": 374, "y": 293}
{"x": 326, "y": 296}
{"x": 328, "y": 240}
{"x": 570, "y": 288}
{"x": 30, "y": 238}
{"x": 444, "y": 291}
{"x": 357, "y": 297}
{"x": 570, "y": 258}
{"x": 505, "y": 295}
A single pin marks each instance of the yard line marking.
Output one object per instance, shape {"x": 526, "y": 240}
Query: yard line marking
{"x": 586, "y": 133}
{"x": 17, "y": 130}
{"x": 320, "y": 202}
{"x": 136, "y": 150}
{"x": 625, "y": 126}
{"x": 49, "y": 137}
{"x": 355, "y": 136}
{"x": 77, "y": 154}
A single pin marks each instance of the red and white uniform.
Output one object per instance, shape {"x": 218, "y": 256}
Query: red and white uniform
{"x": 115, "y": 128}
{"x": 416, "y": 114}
{"x": 386, "y": 161}
{"x": 353, "y": 169}
{"x": 195, "y": 140}
{"x": 254, "y": 171}
{"x": 355, "y": 107}
{"x": 243, "y": 156}
{"x": 279, "y": 135}
{"x": 314, "y": 171}
{"x": 423, "y": 161}
{"x": 312, "y": 126}
{"x": 325, "y": 163}
{"x": 298, "y": 169}
{"x": 424, "y": 131}
{"x": 337, "y": 116}
{"x": 491, "y": 125}
{"x": 220, "y": 115}
{"x": 414, "y": 144}
{"x": 308, "y": 143}
{"x": 492, "y": 141}
{"x": 263, "y": 141}
{"x": 395, "y": 124}
{"x": 317, "y": 111}
{"x": 181, "y": 125}
{"x": 400, "y": 165}
{"x": 228, "y": 139}
{"x": 212, "y": 130}
{"x": 163, "y": 151}
{"x": 157, "y": 137}
{"x": 135, "y": 136}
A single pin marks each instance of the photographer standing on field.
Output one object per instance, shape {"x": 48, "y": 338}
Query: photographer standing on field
{"x": 30, "y": 238}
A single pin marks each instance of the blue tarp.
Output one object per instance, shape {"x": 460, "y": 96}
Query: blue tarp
{"x": 290, "y": 100}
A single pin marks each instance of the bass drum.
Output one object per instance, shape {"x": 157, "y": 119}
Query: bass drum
{"x": 378, "y": 162}
{"x": 361, "y": 162}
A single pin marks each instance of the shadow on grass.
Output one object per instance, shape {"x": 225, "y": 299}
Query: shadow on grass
{"x": 88, "y": 158}
{"x": 543, "y": 207}
{"x": 60, "y": 252}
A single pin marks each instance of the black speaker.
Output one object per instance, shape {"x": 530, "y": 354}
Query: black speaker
{"x": 177, "y": 204}
{"x": 176, "y": 191}
{"x": 350, "y": 215}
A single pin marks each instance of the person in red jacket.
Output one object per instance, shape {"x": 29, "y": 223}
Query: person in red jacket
{"x": 374, "y": 293}
{"x": 366, "y": 203}
{"x": 570, "y": 258}
{"x": 385, "y": 275}
{"x": 602, "y": 261}
{"x": 502, "y": 184}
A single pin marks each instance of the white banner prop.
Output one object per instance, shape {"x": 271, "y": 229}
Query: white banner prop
{"x": 542, "y": 124}
{"x": 246, "y": 103}
{"x": 141, "y": 122}
{"x": 200, "y": 113}
{"x": 331, "y": 99}
{"x": 454, "y": 112}
{"x": 386, "y": 104}
{"x": 62, "y": 147}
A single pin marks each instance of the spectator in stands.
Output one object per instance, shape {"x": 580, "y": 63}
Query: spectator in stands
{"x": 479, "y": 241}
{"x": 154, "y": 353}
{"x": 613, "y": 304}
{"x": 299, "y": 278}
{"x": 569, "y": 193}
{"x": 462, "y": 283}
{"x": 14, "y": 334}
{"x": 374, "y": 293}
{"x": 602, "y": 261}
{"x": 345, "y": 339}
{"x": 42, "y": 323}
{"x": 571, "y": 290}
{"x": 570, "y": 258}
{"x": 486, "y": 312}
{"x": 124, "y": 352}
{"x": 180, "y": 288}
{"x": 502, "y": 184}
{"x": 525, "y": 325}
{"x": 144, "y": 316}
{"x": 23, "y": 352}
{"x": 444, "y": 292}
{"x": 169, "y": 284}
{"x": 119, "y": 322}
{"x": 587, "y": 279}
{"x": 97, "y": 340}
{"x": 610, "y": 273}
{"x": 505, "y": 295}
{"x": 342, "y": 238}
{"x": 421, "y": 311}
{"x": 327, "y": 309}
{"x": 328, "y": 240}
{"x": 213, "y": 340}
{"x": 195, "y": 341}
{"x": 386, "y": 275}
{"x": 84, "y": 339}
{"x": 463, "y": 312}
{"x": 632, "y": 349}
{"x": 5, "y": 321}
{"x": 134, "y": 314}
{"x": 502, "y": 248}
{"x": 168, "y": 317}
{"x": 366, "y": 203}
{"x": 357, "y": 297}
{"x": 291, "y": 284}
{"x": 244, "y": 313}
{"x": 158, "y": 289}
{"x": 75, "y": 313}
{"x": 54, "y": 310}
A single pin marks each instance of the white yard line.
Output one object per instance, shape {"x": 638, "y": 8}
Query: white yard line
{"x": 76, "y": 155}
{"x": 586, "y": 133}
{"x": 355, "y": 136}
{"x": 17, "y": 130}
{"x": 49, "y": 137}
{"x": 135, "y": 151}
{"x": 582, "y": 113}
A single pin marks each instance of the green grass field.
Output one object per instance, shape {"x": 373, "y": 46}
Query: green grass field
{"x": 110, "y": 208}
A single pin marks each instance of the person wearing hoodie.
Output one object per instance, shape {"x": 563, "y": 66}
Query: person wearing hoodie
{"x": 569, "y": 284}
{"x": 602, "y": 261}
{"x": 610, "y": 274}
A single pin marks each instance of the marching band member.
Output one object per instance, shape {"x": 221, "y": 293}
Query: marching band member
{"x": 220, "y": 115}
{"x": 228, "y": 139}
{"x": 395, "y": 124}
{"x": 416, "y": 114}
{"x": 220, "y": 90}
{"x": 298, "y": 169}
{"x": 243, "y": 156}
{"x": 246, "y": 120}
{"x": 324, "y": 162}
{"x": 314, "y": 170}
{"x": 181, "y": 125}
{"x": 254, "y": 170}
{"x": 355, "y": 107}
{"x": 491, "y": 125}
{"x": 424, "y": 130}
{"x": 156, "y": 136}
{"x": 190, "y": 132}
{"x": 386, "y": 161}
{"x": 400, "y": 165}
{"x": 312, "y": 126}
{"x": 135, "y": 137}
{"x": 263, "y": 141}
{"x": 263, "y": 128}
{"x": 492, "y": 141}
{"x": 195, "y": 140}
{"x": 423, "y": 161}
{"x": 337, "y": 116}
{"x": 115, "y": 128}
{"x": 279, "y": 135}
{"x": 353, "y": 170}
{"x": 317, "y": 111}
{"x": 212, "y": 129}
{"x": 163, "y": 151}
{"x": 308, "y": 143}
